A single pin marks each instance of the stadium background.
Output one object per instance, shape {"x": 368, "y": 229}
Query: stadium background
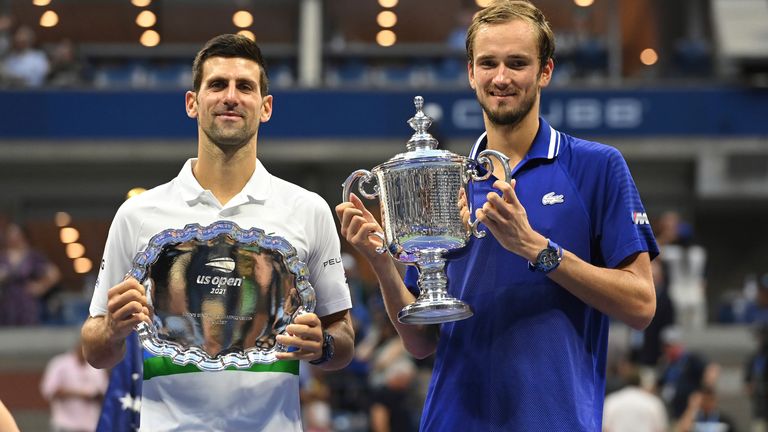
{"x": 692, "y": 122}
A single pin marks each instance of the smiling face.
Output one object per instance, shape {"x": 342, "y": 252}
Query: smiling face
{"x": 506, "y": 72}
{"x": 229, "y": 105}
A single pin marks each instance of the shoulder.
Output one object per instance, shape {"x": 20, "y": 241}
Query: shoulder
{"x": 582, "y": 149}
{"x": 296, "y": 196}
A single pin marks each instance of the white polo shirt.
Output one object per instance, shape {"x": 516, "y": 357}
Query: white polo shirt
{"x": 263, "y": 399}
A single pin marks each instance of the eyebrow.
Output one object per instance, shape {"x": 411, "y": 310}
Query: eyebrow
{"x": 237, "y": 80}
{"x": 509, "y": 57}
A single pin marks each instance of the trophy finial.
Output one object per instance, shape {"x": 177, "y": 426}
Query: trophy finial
{"x": 420, "y": 123}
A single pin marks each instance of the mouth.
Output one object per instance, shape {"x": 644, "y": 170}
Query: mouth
{"x": 229, "y": 115}
{"x": 502, "y": 94}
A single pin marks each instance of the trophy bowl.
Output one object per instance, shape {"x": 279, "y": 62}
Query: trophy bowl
{"x": 219, "y": 295}
{"x": 419, "y": 191}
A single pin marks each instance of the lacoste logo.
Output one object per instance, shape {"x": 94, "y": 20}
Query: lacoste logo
{"x": 223, "y": 265}
{"x": 551, "y": 198}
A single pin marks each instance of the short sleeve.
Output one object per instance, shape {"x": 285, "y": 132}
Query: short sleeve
{"x": 622, "y": 224}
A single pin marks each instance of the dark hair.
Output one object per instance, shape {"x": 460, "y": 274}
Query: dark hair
{"x": 503, "y": 11}
{"x": 230, "y": 46}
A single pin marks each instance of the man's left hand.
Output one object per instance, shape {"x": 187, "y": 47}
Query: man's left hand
{"x": 306, "y": 334}
{"x": 507, "y": 219}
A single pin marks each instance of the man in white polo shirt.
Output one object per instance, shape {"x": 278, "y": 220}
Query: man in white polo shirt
{"x": 225, "y": 182}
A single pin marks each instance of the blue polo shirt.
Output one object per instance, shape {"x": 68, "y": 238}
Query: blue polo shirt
{"x": 532, "y": 358}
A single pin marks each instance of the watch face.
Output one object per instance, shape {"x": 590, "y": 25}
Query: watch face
{"x": 549, "y": 258}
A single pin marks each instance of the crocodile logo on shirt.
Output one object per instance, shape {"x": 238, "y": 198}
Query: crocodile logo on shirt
{"x": 551, "y": 198}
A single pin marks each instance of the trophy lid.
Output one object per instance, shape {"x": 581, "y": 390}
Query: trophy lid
{"x": 421, "y": 139}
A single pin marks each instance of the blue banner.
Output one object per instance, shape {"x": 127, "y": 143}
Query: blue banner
{"x": 324, "y": 114}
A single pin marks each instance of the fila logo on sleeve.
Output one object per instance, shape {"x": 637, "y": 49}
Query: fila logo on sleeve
{"x": 640, "y": 218}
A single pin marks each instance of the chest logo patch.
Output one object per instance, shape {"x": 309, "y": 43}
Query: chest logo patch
{"x": 551, "y": 198}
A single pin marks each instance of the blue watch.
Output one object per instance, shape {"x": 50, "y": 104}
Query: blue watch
{"x": 548, "y": 259}
{"x": 327, "y": 349}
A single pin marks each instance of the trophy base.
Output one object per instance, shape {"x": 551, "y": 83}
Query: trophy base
{"x": 435, "y": 312}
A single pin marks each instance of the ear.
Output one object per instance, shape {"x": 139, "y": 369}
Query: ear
{"x": 546, "y": 73}
{"x": 190, "y": 99}
{"x": 471, "y": 74}
{"x": 266, "y": 109}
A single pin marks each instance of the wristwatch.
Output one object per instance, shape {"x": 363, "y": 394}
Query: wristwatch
{"x": 548, "y": 259}
{"x": 327, "y": 349}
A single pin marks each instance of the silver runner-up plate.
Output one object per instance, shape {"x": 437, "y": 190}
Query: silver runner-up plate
{"x": 218, "y": 295}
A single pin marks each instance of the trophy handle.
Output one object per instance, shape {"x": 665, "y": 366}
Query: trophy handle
{"x": 347, "y": 185}
{"x": 483, "y": 159}
{"x": 380, "y": 249}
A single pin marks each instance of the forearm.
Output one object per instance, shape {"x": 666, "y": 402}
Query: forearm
{"x": 100, "y": 350}
{"x": 419, "y": 340}
{"x": 626, "y": 293}
{"x": 343, "y": 343}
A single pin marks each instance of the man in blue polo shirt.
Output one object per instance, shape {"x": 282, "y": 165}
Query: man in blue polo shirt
{"x": 569, "y": 247}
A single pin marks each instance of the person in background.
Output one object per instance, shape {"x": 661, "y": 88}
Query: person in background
{"x": 685, "y": 266}
{"x": 756, "y": 379}
{"x": 703, "y": 414}
{"x": 683, "y": 372}
{"x": 26, "y": 275}
{"x": 75, "y": 391}
{"x": 634, "y": 408}
{"x": 568, "y": 248}
{"x": 25, "y": 65}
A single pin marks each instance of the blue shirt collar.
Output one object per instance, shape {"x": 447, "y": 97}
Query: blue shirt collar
{"x": 546, "y": 144}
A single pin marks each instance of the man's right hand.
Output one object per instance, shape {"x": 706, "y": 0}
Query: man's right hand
{"x": 357, "y": 227}
{"x": 126, "y": 307}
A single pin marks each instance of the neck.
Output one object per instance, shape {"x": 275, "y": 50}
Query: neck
{"x": 513, "y": 140}
{"x": 224, "y": 173}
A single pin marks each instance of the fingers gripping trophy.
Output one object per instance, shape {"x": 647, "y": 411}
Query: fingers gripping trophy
{"x": 419, "y": 191}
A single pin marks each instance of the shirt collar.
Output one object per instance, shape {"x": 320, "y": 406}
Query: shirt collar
{"x": 546, "y": 143}
{"x": 256, "y": 189}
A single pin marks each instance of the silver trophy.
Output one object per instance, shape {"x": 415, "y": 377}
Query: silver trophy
{"x": 219, "y": 295}
{"x": 418, "y": 191}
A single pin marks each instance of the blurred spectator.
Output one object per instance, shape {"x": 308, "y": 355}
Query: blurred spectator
{"x": 66, "y": 69}
{"x": 685, "y": 264}
{"x": 25, "y": 65}
{"x": 75, "y": 390}
{"x": 756, "y": 380}
{"x": 6, "y": 22}
{"x": 756, "y": 309}
{"x": 703, "y": 414}
{"x": 7, "y": 423}
{"x": 392, "y": 377}
{"x": 457, "y": 38}
{"x": 634, "y": 408}
{"x": 315, "y": 400}
{"x": 25, "y": 277}
{"x": 650, "y": 349}
{"x": 682, "y": 372}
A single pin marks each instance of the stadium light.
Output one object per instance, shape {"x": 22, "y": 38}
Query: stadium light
{"x": 386, "y": 19}
{"x": 146, "y": 19}
{"x": 75, "y": 250}
{"x": 141, "y": 3}
{"x": 386, "y": 38}
{"x": 62, "y": 219}
{"x": 242, "y": 19}
{"x": 69, "y": 235}
{"x": 49, "y": 19}
{"x": 82, "y": 265}
{"x": 247, "y": 33}
{"x": 649, "y": 57}
{"x": 388, "y": 3}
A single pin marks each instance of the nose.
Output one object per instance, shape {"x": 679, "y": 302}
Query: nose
{"x": 230, "y": 97}
{"x": 502, "y": 77}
